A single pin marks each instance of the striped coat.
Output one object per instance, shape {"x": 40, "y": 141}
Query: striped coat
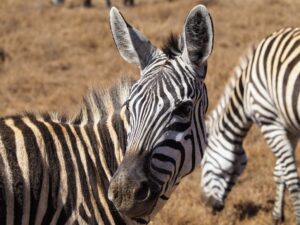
{"x": 265, "y": 90}
{"x": 56, "y": 170}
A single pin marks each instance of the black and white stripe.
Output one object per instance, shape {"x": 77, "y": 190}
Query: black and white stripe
{"x": 56, "y": 170}
{"x": 264, "y": 90}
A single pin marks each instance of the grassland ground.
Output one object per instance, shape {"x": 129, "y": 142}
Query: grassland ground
{"x": 50, "y": 56}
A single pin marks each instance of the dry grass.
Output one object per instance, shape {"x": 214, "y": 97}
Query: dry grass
{"x": 50, "y": 56}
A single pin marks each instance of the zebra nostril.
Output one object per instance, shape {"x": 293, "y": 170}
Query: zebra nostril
{"x": 218, "y": 208}
{"x": 214, "y": 204}
{"x": 112, "y": 194}
{"x": 142, "y": 193}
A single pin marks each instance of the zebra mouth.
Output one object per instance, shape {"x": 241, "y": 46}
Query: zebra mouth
{"x": 134, "y": 200}
{"x": 213, "y": 203}
{"x": 144, "y": 213}
{"x": 217, "y": 208}
{"x": 140, "y": 209}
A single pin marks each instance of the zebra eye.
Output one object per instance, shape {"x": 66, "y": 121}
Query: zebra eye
{"x": 183, "y": 109}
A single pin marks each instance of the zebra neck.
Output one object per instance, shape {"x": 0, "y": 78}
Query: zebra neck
{"x": 110, "y": 139}
{"x": 113, "y": 139}
{"x": 229, "y": 118}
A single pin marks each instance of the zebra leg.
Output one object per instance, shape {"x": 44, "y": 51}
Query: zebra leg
{"x": 108, "y": 3}
{"x": 278, "y": 212}
{"x": 87, "y": 3}
{"x": 283, "y": 148}
{"x": 57, "y": 2}
{"x": 128, "y": 2}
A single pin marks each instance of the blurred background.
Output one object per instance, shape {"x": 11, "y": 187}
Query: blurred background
{"x": 50, "y": 56}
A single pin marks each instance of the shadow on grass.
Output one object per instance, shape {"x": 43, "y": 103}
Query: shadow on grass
{"x": 246, "y": 210}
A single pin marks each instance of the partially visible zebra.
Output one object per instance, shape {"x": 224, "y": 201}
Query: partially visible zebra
{"x": 56, "y": 170}
{"x": 88, "y": 3}
{"x": 264, "y": 90}
{"x": 131, "y": 145}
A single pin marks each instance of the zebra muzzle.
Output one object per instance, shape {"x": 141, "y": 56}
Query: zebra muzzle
{"x": 131, "y": 191}
{"x": 211, "y": 202}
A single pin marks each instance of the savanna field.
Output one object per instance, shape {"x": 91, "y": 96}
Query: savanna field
{"x": 50, "y": 57}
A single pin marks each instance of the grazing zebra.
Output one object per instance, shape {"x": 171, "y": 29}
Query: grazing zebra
{"x": 88, "y": 3}
{"x": 264, "y": 90}
{"x": 131, "y": 145}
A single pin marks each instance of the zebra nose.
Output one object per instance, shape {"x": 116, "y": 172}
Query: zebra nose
{"x": 214, "y": 204}
{"x": 142, "y": 192}
{"x": 112, "y": 194}
{"x": 218, "y": 207}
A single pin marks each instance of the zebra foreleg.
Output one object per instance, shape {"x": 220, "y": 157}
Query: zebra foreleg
{"x": 108, "y": 3}
{"x": 128, "y": 2}
{"x": 277, "y": 138}
{"x": 278, "y": 212}
{"x": 294, "y": 181}
{"x": 57, "y": 2}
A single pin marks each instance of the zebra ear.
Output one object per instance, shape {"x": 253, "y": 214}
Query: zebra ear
{"x": 198, "y": 36}
{"x": 132, "y": 45}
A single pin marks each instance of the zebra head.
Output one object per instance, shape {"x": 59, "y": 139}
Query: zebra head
{"x": 166, "y": 107}
{"x": 223, "y": 162}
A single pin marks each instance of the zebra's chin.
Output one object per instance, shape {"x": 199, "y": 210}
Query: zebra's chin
{"x": 137, "y": 208}
{"x": 139, "y": 211}
{"x": 131, "y": 191}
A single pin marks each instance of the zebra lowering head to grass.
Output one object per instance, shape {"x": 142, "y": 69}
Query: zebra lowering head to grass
{"x": 264, "y": 90}
{"x": 118, "y": 161}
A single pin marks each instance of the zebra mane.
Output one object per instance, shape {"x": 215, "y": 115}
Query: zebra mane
{"x": 100, "y": 103}
{"x": 229, "y": 88}
{"x": 173, "y": 46}
{"x": 96, "y": 105}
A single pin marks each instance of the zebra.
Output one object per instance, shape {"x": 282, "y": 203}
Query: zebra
{"x": 263, "y": 90}
{"x": 118, "y": 160}
{"x": 88, "y": 3}
{"x": 54, "y": 169}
